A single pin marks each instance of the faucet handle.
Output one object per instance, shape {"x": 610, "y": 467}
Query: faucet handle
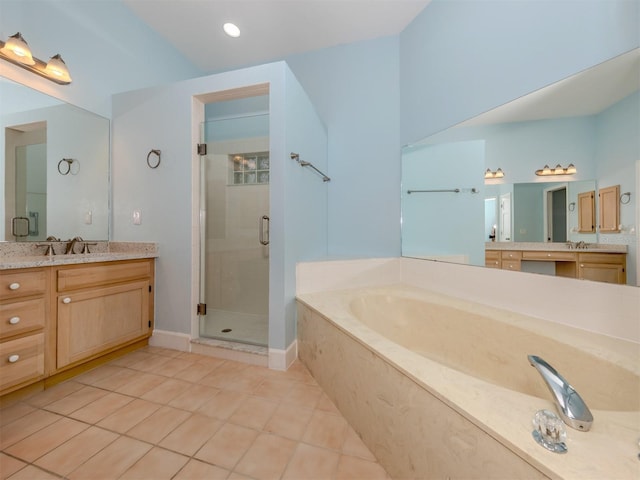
{"x": 85, "y": 247}
{"x": 49, "y": 252}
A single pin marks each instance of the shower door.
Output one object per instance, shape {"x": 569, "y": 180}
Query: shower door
{"x": 234, "y": 230}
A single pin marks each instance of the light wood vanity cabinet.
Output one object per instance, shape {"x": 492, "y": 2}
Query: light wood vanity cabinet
{"x": 511, "y": 260}
{"x": 100, "y": 308}
{"x": 492, "y": 259}
{"x": 23, "y": 318}
{"x": 609, "y": 217}
{"x": 55, "y": 321}
{"x": 603, "y": 267}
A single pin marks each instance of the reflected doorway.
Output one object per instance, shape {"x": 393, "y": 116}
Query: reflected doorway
{"x": 556, "y": 214}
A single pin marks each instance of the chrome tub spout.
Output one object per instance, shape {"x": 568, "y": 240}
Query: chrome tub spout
{"x": 572, "y": 409}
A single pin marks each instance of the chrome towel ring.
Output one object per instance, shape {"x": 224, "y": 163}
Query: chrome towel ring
{"x": 149, "y": 161}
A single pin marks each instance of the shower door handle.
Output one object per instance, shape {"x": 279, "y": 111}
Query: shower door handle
{"x": 264, "y": 230}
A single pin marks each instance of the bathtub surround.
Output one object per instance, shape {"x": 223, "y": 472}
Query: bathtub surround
{"x": 431, "y": 419}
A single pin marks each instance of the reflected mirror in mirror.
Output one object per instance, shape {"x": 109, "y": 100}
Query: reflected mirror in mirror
{"x": 55, "y": 159}
{"x": 451, "y": 212}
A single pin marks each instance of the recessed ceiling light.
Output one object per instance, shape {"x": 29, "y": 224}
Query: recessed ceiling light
{"x": 231, "y": 29}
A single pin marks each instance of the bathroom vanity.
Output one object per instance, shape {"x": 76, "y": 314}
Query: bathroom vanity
{"x": 62, "y": 315}
{"x": 600, "y": 263}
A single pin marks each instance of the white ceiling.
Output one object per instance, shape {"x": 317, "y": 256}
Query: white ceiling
{"x": 271, "y": 29}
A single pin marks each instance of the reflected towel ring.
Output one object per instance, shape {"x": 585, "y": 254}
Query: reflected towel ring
{"x": 625, "y": 198}
{"x": 154, "y": 152}
{"x": 572, "y": 206}
{"x": 62, "y": 170}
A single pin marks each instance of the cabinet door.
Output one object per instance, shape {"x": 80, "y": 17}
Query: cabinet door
{"x": 603, "y": 272}
{"x": 93, "y": 321}
{"x": 586, "y": 212}
{"x": 609, "y": 209}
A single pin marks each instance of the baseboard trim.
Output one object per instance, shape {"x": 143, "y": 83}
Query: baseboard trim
{"x": 282, "y": 359}
{"x": 173, "y": 340}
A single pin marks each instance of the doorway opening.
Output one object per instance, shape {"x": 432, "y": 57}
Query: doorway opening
{"x": 555, "y": 225}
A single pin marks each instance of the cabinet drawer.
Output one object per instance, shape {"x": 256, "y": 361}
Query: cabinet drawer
{"x": 104, "y": 274}
{"x": 611, "y": 258}
{"x": 511, "y": 255}
{"x": 511, "y": 265}
{"x": 549, "y": 256}
{"x": 21, "y": 317}
{"x": 22, "y": 284}
{"x": 21, "y": 360}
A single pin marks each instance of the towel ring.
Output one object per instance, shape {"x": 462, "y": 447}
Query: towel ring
{"x": 154, "y": 152}
{"x": 62, "y": 170}
{"x": 625, "y": 198}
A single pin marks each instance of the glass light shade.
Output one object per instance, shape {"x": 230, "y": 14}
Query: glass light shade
{"x": 558, "y": 170}
{"x": 488, "y": 173}
{"x": 231, "y": 29}
{"x": 16, "y": 49}
{"x": 499, "y": 173}
{"x": 571, "y": 169}
{"x": 56, "y": 68}
{"x": 546, "y": 170}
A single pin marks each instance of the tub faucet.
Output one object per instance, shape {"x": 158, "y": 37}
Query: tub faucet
{"x": 573, "y": 411}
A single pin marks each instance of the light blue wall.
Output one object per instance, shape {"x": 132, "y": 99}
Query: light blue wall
{"x": 461, "y": 58}
{"x": 355, "y": 89}
{"x": 106, "y": 48}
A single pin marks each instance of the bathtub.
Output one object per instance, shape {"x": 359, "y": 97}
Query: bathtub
{"x": 438, "y": 387}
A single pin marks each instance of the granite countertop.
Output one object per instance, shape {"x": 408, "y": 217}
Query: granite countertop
{"x": 27, "y": 255}
{"x": 555, "y": 247}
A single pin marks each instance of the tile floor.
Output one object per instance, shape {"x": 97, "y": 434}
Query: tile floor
{"x": 162, "y": 414}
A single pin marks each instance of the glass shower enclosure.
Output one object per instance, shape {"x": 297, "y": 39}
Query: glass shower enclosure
{"x": 234, "y": 229}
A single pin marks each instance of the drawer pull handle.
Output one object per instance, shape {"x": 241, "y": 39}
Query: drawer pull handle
{"x": 14, "y": 320}
{"x": 14, "y": 358}
{"x": 14, "y": 286}
{"x": 548, "y": 254}
{"x": 66, "y": 300}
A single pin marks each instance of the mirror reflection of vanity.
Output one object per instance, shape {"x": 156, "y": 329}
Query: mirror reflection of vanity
{"x": 518, "y": 219}
{"x": 55, "y": 164}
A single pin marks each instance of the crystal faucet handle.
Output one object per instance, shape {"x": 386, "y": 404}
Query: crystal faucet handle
{"x": 548, "y": 431}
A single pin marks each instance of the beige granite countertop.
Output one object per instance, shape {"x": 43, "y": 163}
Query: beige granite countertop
{"x": 27, "y": 255}
{"x": 555, "y": 247}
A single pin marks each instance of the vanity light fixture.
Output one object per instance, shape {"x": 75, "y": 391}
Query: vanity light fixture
{"x": 570, "y": 170}
{"x": 497, "y": 174}
{"x": 15, "y": 50}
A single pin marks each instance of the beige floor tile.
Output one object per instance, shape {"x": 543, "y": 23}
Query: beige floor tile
{"x": 129, "y": 416}
{"x": 157, "y": 464}
{"x": 166, "y": 391}
{"x": 73, "y": 453}
{"x": 289, "y": 421}
{"x": 312, "y": 463}
{"x": 25, "y": 426}
{"x": 197, "y": 470}
{"x": 54, "y": 393}
{"x": 227, "y": 446}
{"x": 97, "y": 374}
{"x": 14, "y": 412}
{"x": 140, "y": 384}
{"x": 238, "y": 476}
{"x": 326, "y": 405}
{"x": 33, "y": 473}
{"x": 326, "y": 430}
{"x": 193, "y": 397}
{"x": 304, "y": 395}
{"x": 195, "y": 372}
{"x": 254, "y": 412}
{"x": 9, "y": 466}
{"x": 299, "y": 372}
{"x": 101, "y": 408}
{"x": 151, "y": 364}
{"x": 232, "y": 380}
{"x": 354, "y": 446}
{"x": 173, "y": 368}
{"x": 267, "y": 457}
{"x": 112, "y": 461}
{"x": 188, "y": 437}
{"x": 158, "y": 425}
{"x": 350, "y": 468}
{"x": 167, "y": 352}
{"x": 76, "y": 400}
{"x": 274, "y": 388}
{"x": 118, "y": 379}
{"x": 222, "y": 405}
{"x": 131, "y": 358}
{"x": 46, "y": 439}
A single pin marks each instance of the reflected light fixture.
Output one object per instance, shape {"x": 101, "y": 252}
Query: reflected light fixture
{"x": 16, "y": 50}
{"x": 231, "y": 29}
{"x": 497, "y": 174}
{"x": 570, "y": 170}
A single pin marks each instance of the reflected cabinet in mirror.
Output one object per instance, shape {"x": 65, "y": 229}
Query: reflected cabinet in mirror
{"x": 545, "y": 184}
{"x": 55, "y": 160}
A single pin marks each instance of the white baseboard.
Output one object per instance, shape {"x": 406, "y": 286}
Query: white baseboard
{"x": 282, "y": 359}
{"x": 173, "y": 340}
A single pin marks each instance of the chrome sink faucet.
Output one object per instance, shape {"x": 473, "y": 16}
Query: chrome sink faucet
{"x": 71, "y": 245}
{"x": 572, "y": 409}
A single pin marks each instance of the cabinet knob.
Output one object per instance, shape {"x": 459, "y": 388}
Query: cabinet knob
{"x": 14, "y": 286}
{"x": 582, "y": 265}
{"x": 548, "y": 254}
{"x": 66, "y": 300}
{"x": 14, "y": 320}
{"x": 14, "y": 358}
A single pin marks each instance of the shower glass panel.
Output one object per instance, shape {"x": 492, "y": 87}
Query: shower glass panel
{"x": 234, "y": 236}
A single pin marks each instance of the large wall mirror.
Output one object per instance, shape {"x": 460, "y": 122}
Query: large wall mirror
{"x": 589, "y": 121}
{"x": 55, "y": 164}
